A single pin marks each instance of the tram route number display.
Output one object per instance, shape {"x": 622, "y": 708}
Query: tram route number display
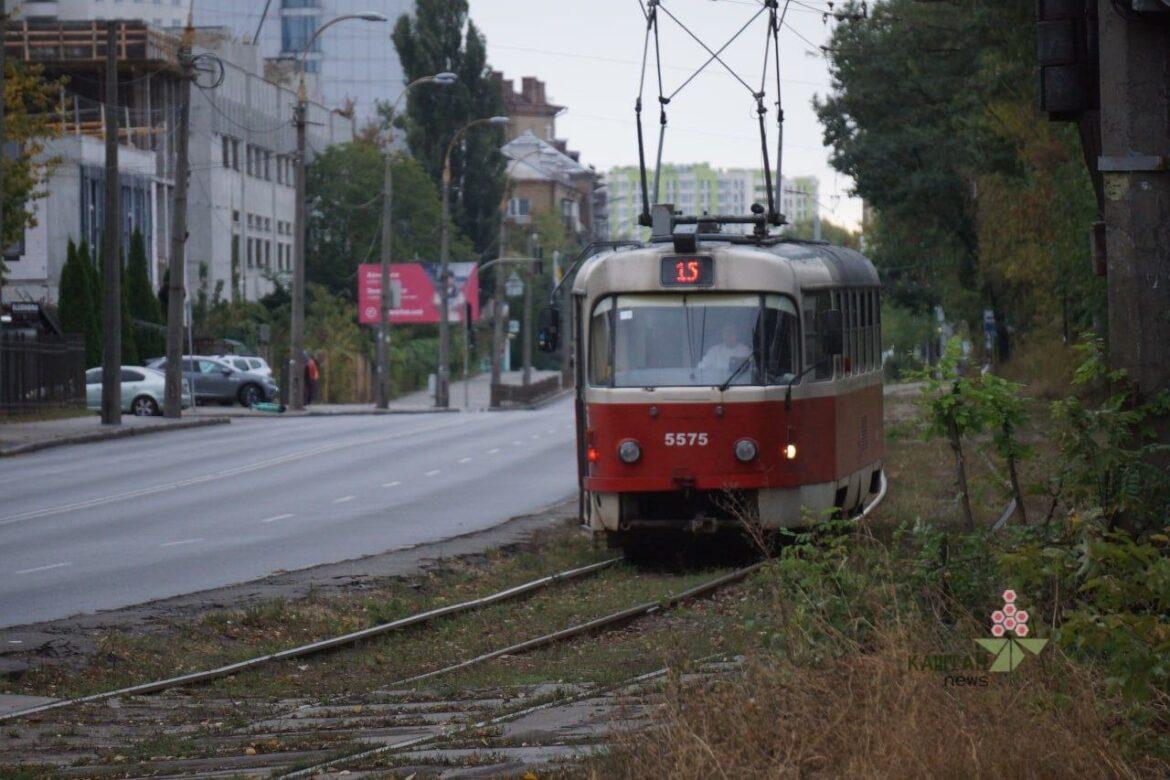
{"x": 688, "y": 271}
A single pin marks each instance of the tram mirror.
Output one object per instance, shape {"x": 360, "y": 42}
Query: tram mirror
{"x": 548, "y": 329}
{"x": 830, "y": 330}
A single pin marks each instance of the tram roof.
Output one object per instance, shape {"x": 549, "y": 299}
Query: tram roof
{"x": 804, "y": 264}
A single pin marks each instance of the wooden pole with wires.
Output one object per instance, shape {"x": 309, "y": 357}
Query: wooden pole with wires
{"x": 111, "y": 247}
{"x": 177, "y": 265}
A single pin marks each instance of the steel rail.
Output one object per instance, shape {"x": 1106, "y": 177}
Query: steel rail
{"x": 449, "y": 732}
{"x": 321, "y": 645}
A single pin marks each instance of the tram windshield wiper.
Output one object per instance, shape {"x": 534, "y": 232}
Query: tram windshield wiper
{"x": 739, "y": 370}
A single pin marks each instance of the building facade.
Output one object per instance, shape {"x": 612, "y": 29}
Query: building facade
{"x": 700, "y": 188}
{"x": 241, "y": 142}
{"x": 355, "y": 63}
{"x": 545, "y": 175}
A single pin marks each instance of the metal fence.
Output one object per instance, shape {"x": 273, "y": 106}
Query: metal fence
{"x": 521, "y": 395}
{"x": 39, "y": 372}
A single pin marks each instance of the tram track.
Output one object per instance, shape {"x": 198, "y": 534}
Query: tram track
{"x": 182, "y": 729}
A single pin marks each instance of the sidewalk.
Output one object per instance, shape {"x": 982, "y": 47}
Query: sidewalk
{"x": 419, "y": 402}
{"x": 19, "y": 438}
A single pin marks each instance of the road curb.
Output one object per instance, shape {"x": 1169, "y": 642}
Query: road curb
{"x": 537, "y": 404}
{"x": 117, "y": 433}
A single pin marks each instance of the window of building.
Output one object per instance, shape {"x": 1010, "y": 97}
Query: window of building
{"x": 519, "y": 207}
{"x": 295, "y": 32}
{"x": 235, "y": 154}
{"x": 227, "y": 151}
{"x": 267, "y": 254}
{"x": 251, "y": 259}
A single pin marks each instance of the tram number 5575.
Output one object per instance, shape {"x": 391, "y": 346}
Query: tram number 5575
{"x": 686, "y": 440}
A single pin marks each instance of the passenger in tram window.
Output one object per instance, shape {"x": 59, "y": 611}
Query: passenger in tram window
{"x": 728, "y": 353}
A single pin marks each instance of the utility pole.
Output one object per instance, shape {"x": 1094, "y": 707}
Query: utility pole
{"x": 1135, "y": 163}
{"x": 387, "y": 293}
{"x": 177, "y": 283}
{"x": 443, "y": 374}
{"x": 296, "y": 379}
{"x": 527, "y": 337}
{"x": 111, "y": 247}
{"x": 498, "y": 297}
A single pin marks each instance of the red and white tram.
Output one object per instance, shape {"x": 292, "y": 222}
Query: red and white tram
{"x": 740, "y": 367}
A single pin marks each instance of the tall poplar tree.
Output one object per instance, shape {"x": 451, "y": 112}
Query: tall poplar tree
{"x": 430, "y": 41}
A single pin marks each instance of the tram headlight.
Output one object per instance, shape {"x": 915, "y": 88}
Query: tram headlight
{"x": 746, "y": 450}
{"x": 629, "y": 451}
{"x": 790, "y": 452}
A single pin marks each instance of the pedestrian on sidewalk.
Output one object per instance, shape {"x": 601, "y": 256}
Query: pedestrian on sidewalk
{"x": 312, "y": 374}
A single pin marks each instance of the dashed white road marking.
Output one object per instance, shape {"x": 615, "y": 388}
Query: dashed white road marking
{"x": 517, "y": 443}
{"x": 465, "y": 460}
{"x": 536, "y": 435}
{"x": 494, "y": 451}
{"x": 391, "y": 484}
{"x": 181, "y": 541}
{"x": 276, "y": 518}
{"x": 35, "y": 569}
{"x": 434, "y": 472}
{"x": 343, "y": 499}
{"x": 225, "y": 473}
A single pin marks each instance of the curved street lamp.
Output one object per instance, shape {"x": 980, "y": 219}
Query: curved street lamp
{"x": 444, "y": 79}
{"x": 442, "y": 386}
{"x": 296, "y": 388}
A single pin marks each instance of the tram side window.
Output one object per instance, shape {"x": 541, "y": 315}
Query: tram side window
{"x": 877, "y": 329}
{"x": 781, "y": 341}
{"x": 601, "y": 344}
{"x": 815, "y": 302}
{"x": 850, "y": 309}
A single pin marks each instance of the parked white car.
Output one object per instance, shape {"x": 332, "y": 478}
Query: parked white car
{"x": 251, "y": 363}
{"x": 143, "y": 390}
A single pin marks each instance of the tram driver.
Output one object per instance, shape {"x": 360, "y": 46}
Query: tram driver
{"x": 728, "y": 353}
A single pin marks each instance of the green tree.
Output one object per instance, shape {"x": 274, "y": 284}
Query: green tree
{"x": 345, "y": 226}
{"x": 979, "y": 201}
{"x": 830, "y": 231}
{"x": 75, "y": 306}
{"x": 142, "y": 302}
{"x": 430, "y": 41}
{"x": 29, "y": 100}
{"x": 129, "y": 332}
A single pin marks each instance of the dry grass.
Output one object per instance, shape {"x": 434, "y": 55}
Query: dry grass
{"x": 1044, "y": 364}
{"x": 869, "y": 715}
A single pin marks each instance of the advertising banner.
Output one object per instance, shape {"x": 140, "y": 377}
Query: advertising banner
{"x": 419, "y": 304}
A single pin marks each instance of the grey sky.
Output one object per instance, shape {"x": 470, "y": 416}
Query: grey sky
{"x": 589, "y": 54}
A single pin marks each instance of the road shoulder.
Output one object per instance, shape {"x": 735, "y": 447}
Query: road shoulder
{"x": 22, "y": 438}
{"x": 71, "y": 642}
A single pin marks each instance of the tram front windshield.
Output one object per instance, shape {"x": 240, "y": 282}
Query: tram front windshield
{"x": 693, "y": 340}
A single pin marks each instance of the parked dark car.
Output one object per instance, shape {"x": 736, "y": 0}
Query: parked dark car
{"x": 216, "y": 381}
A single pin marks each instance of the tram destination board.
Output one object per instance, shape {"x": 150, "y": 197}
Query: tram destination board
{"x": 688, "y": 271}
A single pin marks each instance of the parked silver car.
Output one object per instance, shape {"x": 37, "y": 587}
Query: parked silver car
{"x": 256, "y": 365}
{"x": 143, "y": 390}
{"x": 216, "y": 381}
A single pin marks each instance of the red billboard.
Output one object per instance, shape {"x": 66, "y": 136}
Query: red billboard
{"x": 419, "y": 303}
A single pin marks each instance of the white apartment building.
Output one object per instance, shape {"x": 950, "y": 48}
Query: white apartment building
{"x": 240, "y": 195}
{"x": 699, "y": 188}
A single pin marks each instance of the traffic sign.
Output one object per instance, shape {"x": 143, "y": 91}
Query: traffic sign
{"x": 514, "y": 287}
{"x": 514, "y": 327}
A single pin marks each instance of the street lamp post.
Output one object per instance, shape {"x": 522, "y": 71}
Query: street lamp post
{"x": 442, "y": 79}
{"x": 296, "y": 387}
{"x": 498, "y": 295}
{"x": 442, "y": 386}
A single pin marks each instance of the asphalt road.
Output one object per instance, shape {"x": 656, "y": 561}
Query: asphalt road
{"x": 100, "y": 526}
